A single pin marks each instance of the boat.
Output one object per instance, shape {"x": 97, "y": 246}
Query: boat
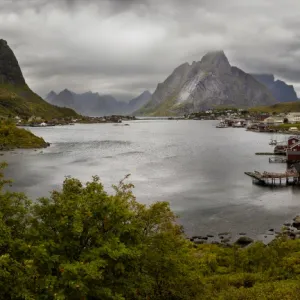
{"x": 238, "y": 125}
{"x": 222, "y": 124}
{"x": 273, "y": 142}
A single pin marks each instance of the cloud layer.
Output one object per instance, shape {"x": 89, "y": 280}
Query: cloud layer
{"x": 123, "y": 47}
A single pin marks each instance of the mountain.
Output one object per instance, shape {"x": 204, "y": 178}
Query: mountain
{"x": 281, "y": 91}
{"x": 204, "y": 84}
{"x": 139, "y": 101}
{"x": 51, "y": 96}
{"x": 93, "y": 104}
{"x": 16, "y": 98}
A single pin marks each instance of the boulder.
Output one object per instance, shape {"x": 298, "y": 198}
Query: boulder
{"x": 244, "y": 241}
{"x": 296, "y": 222}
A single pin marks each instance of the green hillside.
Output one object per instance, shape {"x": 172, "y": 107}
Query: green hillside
{"x": 278, "y": 108}
{"x": 12, "y": 137}
{"x": 21, "y": 101}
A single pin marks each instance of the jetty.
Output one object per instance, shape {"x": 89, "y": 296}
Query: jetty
{"x": 291, "y": 176}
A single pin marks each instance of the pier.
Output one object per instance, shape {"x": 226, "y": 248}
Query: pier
{"x": 290, "y": 177}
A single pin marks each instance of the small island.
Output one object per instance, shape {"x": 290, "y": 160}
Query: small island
{"x": 12, "y": 137}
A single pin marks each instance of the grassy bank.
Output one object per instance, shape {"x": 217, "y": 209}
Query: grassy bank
{"x": 12, "y": 137}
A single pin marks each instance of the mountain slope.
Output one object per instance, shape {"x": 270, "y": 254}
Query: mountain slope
{"x": 93, "y": 104}
{"x": 16, "y": 98}
{"x": 281, "y": 91}
{"x": 139, "y": 101}
{"x": 211, "y": 81}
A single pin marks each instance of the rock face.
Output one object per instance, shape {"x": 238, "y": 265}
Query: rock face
{"x": 93, "y": 104}
{"x": 10, "y": 71}
{"x": 281, "y": 91}
{"x": 204, "y": 84}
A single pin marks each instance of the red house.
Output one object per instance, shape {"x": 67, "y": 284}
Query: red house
{"x": 293, "y": 153}
{"x": 293, "y": 140}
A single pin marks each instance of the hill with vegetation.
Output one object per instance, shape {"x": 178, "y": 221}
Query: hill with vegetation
{"x": 16, "y": 98}
{"x": 12, "y": 137}
{"x": 83, "y": 243}
{"x": 278, "y": 108}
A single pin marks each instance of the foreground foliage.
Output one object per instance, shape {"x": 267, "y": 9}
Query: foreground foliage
{"x": 82, "y": 243}
{"x": 13, "y": 137}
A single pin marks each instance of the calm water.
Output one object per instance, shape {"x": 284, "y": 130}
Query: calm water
{"x": 197, "y": 168}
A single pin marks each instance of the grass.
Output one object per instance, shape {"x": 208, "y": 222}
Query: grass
{"x": 286, "y": 126}
{"x": 277, "y": 108}
{"x": 21, "y": 101}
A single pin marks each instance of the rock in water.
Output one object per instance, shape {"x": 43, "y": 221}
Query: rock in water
{"x": 211, "y": 81}
{"x": 10, "y": 71}
{"x": 281, "y": 91}
{"x": 244, "y": 241}
{"x": 296, "y": 222}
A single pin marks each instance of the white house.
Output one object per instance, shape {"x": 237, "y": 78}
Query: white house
{"x": 273, "y": 120}
{"x": 293, "y": 117}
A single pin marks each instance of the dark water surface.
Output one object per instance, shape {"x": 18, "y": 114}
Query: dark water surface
{"x": 197, "y": 168}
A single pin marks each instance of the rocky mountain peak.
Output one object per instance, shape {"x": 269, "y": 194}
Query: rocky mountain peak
{"x": 215, "y": 60}
{"x": 3, "y": 42}
{"x": 10, "y": 71}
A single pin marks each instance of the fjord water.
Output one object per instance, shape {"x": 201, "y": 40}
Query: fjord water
{"x": 198, "y": 168}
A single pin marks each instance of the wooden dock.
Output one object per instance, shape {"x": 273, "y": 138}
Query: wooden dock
{"x": 270, "y": 153}
{"x": 269, "y": 178}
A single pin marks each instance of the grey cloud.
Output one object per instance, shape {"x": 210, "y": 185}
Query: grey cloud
{"x": 125, "y": 46}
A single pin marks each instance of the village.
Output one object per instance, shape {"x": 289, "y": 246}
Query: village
{"x": 35, "y": 121}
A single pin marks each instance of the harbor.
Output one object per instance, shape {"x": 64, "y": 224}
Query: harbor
{"x": 287, "y": 152}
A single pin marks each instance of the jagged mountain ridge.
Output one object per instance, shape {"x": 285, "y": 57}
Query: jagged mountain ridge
{"x": 16, "y": 98}
{"x": 203, "y": 84}
{"x": 281, "y": 91}
{"x": 93, "y": 104}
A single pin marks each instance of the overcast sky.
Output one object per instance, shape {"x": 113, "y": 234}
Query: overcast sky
{"x": 123, "y": 47}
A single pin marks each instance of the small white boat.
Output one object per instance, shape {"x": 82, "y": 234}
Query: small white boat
{"x": 222, "y": 125}
{"x": 273, "y": 142}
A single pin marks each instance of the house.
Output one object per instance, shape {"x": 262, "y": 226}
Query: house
{"x": 293, "y": 140}
{"x": 293, "y": 153}
{"x": 293, "y": 129}
{"x": 273, "y": 120}
{"x": 35, "y": 119}
{"x": 293, "y": 117}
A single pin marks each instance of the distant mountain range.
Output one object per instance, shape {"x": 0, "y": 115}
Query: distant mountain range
{"x": 93, "y": 104}
{"x": 204, "y": 84}
{"x": 16, "y": 98}
{"x": 281, "y": 91}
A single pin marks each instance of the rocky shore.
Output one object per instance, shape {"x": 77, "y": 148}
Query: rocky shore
{"x": 290, "y": 230}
